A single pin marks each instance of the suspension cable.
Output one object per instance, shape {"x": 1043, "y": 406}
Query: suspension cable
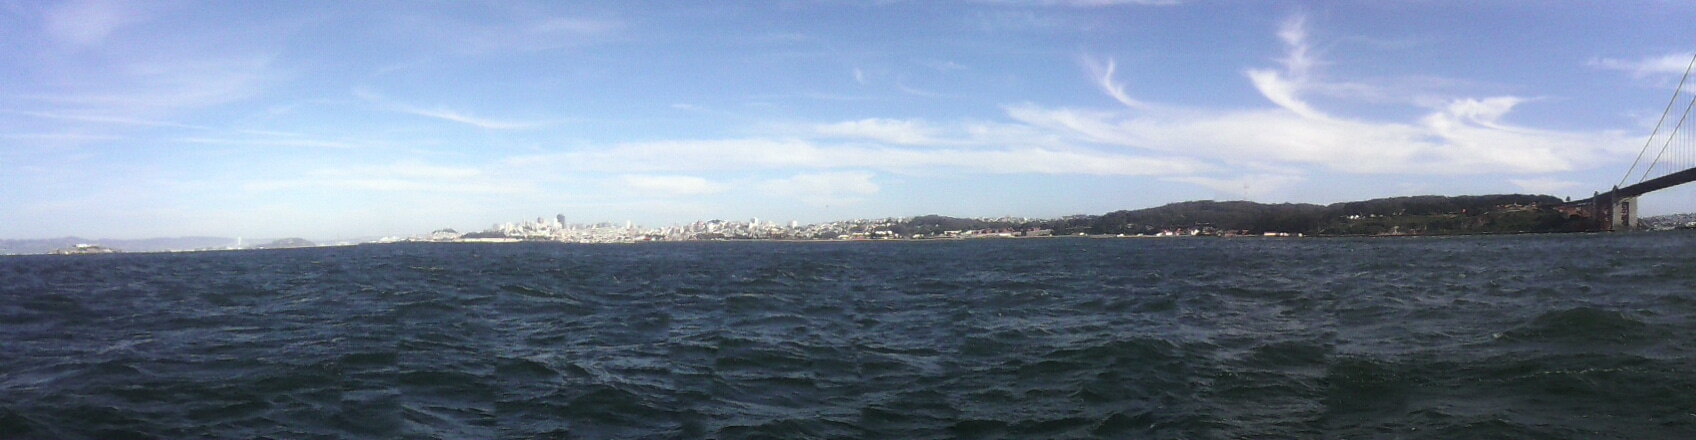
{"x": 1664, "y": 113}
{"x": 1670, "y": 137}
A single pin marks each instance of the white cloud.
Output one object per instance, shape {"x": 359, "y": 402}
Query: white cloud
{"x": 1442, "y": 143}
{"x": 1283, "y": 92}
{"x": 90, "y": 22}
{"x": 101, "y": 119}
{"x": 904, "y": 132}
{"x": 1104, "y": 78}
{"x": 1084, "y": 3}
{"x": 814, "y": 96}
{"x": 1284, "y": 88}
{"x": 1016, "y": 20}
{"x": 568, "y": 26}
{"x": 901, "y": 84}
{"x": 384, "y": 185}
{"x": 670, "y": 185}
{"x": 1670, "y": 64}
{"x": 824, "y": 188}
{"x": 507, "y": 28}
{"x": 943, "y": 65}
{"x": 59, "y": 137}
{"x": 1294, "y": 33}
{"x": 1117, "y": 2}
{"x": 412, "y": 169}
{"x": 454, "y": 116}
{"x": 404, "y": 176}
{"x": 1249, "y": 187}
{"x": 1545, "y": 185}
{"x": 155, "y": 86}
{"x": 1484, "y": 112}
{"x": 406, "y": 170}
{"x": 447, "y": 114}
{"x": 1463, "y": 136}
{"x": 792, "y": 154}
{"x": 252, "y": 142}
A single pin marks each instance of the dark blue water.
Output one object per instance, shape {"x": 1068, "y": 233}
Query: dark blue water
{"x": 1572, "y": 336}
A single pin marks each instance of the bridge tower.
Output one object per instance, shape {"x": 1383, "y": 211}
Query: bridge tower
{"x": 1614, "y": 211}
{"x": 1624, "y": 214}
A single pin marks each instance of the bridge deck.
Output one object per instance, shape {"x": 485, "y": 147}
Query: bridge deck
{"x": 1644, "y": 187}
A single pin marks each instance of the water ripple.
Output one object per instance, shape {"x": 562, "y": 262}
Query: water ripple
{"x": 1499, "y": 337}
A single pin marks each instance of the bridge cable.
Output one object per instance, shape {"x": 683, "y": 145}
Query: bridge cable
{"x": 1664, "y": 113}
{"x": 1668, "y": 143}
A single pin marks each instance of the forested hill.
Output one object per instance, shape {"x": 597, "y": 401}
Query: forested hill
{"x": 1503, "y": 213}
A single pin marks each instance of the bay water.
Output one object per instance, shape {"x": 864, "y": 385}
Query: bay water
{"x": 1536, "y": 336}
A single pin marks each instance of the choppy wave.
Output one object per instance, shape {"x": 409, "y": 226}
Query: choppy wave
{"x": 1583, "y": 336}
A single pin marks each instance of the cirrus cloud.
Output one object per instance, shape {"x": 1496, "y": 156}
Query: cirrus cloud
{"x": 670, "y": 185}
{"x": 1670, "y": 64}
{"x": 903, "y": 132}
{"x": 755, "y": 154}
{"x": 1461, "y": 136}
{"x": 825, "y": 188}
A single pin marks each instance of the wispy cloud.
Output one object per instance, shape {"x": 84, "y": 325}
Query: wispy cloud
{"x": 404, "y": 176}
{"x": 1248, "y": 187}
{"x": 1670, "y": 64}
{"x": 1450, "y": 141}
{"x": 740, "y": 155}
{"x": 670, "y": 185}
{"x": 943, "y": 65}
{"x": 901, "y": 84}
{"x": 824, "y": 188}
{"x": 1084, "y": 3}
{"x": 446, "y": 114}
{"x": 484, "y": 123}
{"x": 903, "y": 132}
{"x": 1545, "y": 185}
{"x": 1284, "y": 87}
{"x": 816, "y": 96}
{"x": 143, "y": 86}
{"x": 409, "y": 169}
{"x": 385, "y": 185}
{"x": 90, "y": 22}
{"x": 1103, "y": 75}
{"x": 1015, "y": 20}
{"x": 1462, "y": 136}
{"x": 921, "y": 133}
{"x": 512, "y": 28}
{"x": 101, "y": 119}
{"x": 569, "y": 26}
{"x": 270, "y": 142}
{"x": 60, "y": 137}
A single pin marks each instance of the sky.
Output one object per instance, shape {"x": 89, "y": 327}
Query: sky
{"x": 336, "y": 119}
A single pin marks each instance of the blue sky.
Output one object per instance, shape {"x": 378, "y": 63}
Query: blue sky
{"x": 125, "y": 119}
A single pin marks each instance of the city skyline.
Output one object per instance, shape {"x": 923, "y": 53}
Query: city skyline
{"x": 318, "y": 120}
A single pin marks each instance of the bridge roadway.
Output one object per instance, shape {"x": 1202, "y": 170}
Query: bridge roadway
{"x": 1616, "y": 208}
{"x": 1639, "y": 188}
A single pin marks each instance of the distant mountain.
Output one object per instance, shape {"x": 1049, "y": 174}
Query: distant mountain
{"x": 1497, "y": 213}
{"x": 46, "y": 245}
